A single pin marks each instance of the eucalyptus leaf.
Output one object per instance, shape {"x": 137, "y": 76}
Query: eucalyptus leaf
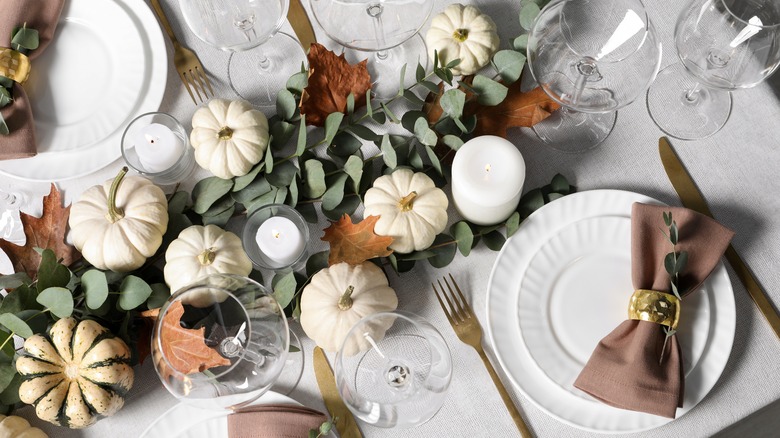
{"x": 300, "y": 146}
{"x": 6, "y": 82}
{"x": 490, "y": 92}
{"x": 10, "y": 395}
{"x": 415, "y": 160}
{"x": 178, "y": 202}
{"x": 3, "y": 126}
{"x": 12, "y": 281}
{"x": 389, "y": 113}
{"x": 160, "y": 294}
{"x": 7, "y": 373}
{"x": 410, "y": 118}
{"x": 281, "y": 132}
{"x": 452, "y": 102}
{"x": 344, "y": 145}
{"x": 262, "y": 201}
{"x": 95, "y": 287}
{"x": 350, "y": 103}
{"x": 8, "y": 347}
{"x": 308, "y": 211}
{"x": 552, "y": 196}
{"x": 494, "y": 240}
{"x": 23, "y": 297}
{"x": 559, "y": 184}
{"x": 292, "y": 194}
{"x": 454, "y": 142}
{"x": 464, "y": 236}
{"x": 25, "y": 38}
{"x": 528, "y": 14}
{"x": 347, "y": 206}
{"x": 37, "y": 320}
{"x": 668, "y": 218}
{"x": 282, "y": 174}
{"x": 509, "y": 65}
{"x": 220, "y": 207}
{"x": 281, "y": 195}
{"x": 424, "y": 133}
{"x": 242, "y": 181}
{"x": 285, "y": 104}
{"x": 419, "y": 73}
{"x": 314, "y": 178}
{"x": 379, "y": 117}
{"x": 417, "y": 255}
{"x": 50, "y": 272}
{"x": 521, "y": 43}
{"x": 673, "y": 233}
{"x": 512, "y": 224}
{"x": 284, "y": 288}
{"x": 669, "y": 264}
{"x": 388, "y": 152}
{"x": 682, "y": 261}
{"x": 445, "y": 248}
{"x": 16, "y": 325}
{"x": 256, "y": 188}
{"x": 400, "y": 266}
{"x": 363, "y": 132}
{"x": 335, "y": 193}
{"x": 354, "y": 168}
{"x": 5, "y": 97}
{"x": 402, "y": 80}
{"x": 133, "y": 292}
{"x": 268, "y": 161}
{"x": 413, "y": 98}
{"x": 207, "y": 191}
{"x": 317, "y": 262}
{"x": 298, "y": 82}
{"x": 434, "y": 159}
{"x": 57, "y": 300}
{"x": 430, "y": 86}
{"x": 530, "y": 202}
{"x": 332, "y": 124}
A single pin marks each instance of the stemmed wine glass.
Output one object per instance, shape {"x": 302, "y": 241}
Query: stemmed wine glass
{"x": 387, "y": 29}
{"x": 722, "y": 45}
{"x": 221, "y": 342}
{"x": 393, "y": 370}
{"x": 592, "y": 57}
{"x": 256, "y": 70}
{"x": 11, "y": 227}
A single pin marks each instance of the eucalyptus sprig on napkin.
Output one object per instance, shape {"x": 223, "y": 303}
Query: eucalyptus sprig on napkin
{"x": 23, "y": 40}
{"x": 674, "y": 263}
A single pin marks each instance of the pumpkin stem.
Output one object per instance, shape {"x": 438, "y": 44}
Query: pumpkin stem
{"x": 207, "y": 257}
{"x": 461, "y": 35}
{"x": 407, "y": 201}
{"x": 225, "y": 133}
{"x": 115, "y": 213}
{"x": 345, "y": 302}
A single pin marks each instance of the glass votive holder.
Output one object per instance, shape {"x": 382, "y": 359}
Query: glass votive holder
{"x": 156, "y": 146}
{"x": 275, "y": 237}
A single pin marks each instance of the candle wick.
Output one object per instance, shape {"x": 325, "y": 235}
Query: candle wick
{"x": 276, "y": 234}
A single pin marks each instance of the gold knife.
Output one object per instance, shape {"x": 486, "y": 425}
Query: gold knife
{"x": 692, "y": 198}
{"x": 345, "y": 422}
{"x": 301, "y": 24}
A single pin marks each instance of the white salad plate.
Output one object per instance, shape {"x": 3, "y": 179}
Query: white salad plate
{"x": 187, "y": 421}
{"x": 562, "y": 283}
{"x": 106, "y": 64}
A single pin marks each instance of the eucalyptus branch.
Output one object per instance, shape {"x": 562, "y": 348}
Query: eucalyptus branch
{"x": 674, "y": 263}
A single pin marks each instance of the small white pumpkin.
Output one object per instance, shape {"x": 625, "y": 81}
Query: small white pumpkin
{"x": 119, "y": 224}
{"x": 338, "y": 297}
{"x": 465, "y": 33}
{"x": 229, "y": 137}
{"x": 17, "y": 427}
{"x": 411, "y": 209}
{"x": 201, "y": 251}
{"x": 77, "y": 374}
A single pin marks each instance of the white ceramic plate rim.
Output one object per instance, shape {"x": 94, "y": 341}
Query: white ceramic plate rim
{"x": 175, "y": 420}
{"x": 74, "y": 163}
{"x": 514, "y": 358}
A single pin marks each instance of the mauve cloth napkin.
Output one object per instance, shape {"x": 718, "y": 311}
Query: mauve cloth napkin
{"x": 274, "y": 421}
{"x": 41, "y": 15}
{"x": 624, "y": 369}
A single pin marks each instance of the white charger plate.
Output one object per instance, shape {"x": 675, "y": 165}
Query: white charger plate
{"x": 187, "y": 421}
{"x": 106, "y": 64}
{"x": 560, "y": 229}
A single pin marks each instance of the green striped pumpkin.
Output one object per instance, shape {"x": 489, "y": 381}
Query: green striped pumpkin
{"x": 77, "y": 374}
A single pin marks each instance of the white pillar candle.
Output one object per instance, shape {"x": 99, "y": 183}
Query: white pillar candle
{"x": 280, "y": 240}
{"x": 488, "y": 173}
{"x": 158, "y": 148}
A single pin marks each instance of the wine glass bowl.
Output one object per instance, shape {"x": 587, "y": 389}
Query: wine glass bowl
{"x": 220, "y": 342}
{"x": 590, "y": 57}
{"x": 722, "y": 45}
{"x": 393, "y": 370}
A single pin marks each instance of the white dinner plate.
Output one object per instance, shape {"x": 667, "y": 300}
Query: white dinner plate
{"x": 574, "y": 254}
{"x": 106, "y": 64}
{"x": 187, "y": 421}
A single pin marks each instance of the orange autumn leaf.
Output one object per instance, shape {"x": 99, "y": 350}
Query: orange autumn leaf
{"x": 355, "y": 243}
{"x": 331, "y": 80}
{"x": 47, "y": 232}
{"x": 186, "y": 349}
{"x": 518, "y": 109}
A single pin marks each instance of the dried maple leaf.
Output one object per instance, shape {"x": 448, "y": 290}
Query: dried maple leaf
{"x": 47, "y": 231}
{"x": 355, "y": 243}
{"x": 331, "y": 80}
{"x": 145, "y": 328}
{"x": 186, "y": 349}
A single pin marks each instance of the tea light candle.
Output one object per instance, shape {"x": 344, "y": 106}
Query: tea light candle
{"x": 488, "y": 173}
{"x": 280, "y": 240}
{"x": 158, "y": 148}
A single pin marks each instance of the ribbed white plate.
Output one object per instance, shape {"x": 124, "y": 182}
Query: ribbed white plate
{"x": 106, "y": 64}
{"x": 560, "y": 230}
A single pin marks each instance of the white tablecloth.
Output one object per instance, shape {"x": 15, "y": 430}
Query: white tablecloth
{"x": 737, "y": 169}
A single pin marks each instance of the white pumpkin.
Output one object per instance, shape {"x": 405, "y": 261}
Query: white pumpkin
{"x": 77, "y": 374}
{"x": 465, "y": 33}
{"x": 201, "y": 251}
{"x": 411, "y": 209}
{"x": 338, "y": 297}
{"x": 17, "y": 427}
{"x": 229, "y": 137}
{"x": 119, "y": 224}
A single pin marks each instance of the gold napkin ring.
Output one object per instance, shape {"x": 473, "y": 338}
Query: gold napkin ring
{"x": 14, "y": 65}
{"x": 654, "y": 306}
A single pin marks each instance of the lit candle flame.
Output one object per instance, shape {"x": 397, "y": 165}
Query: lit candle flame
{"x": 276, "y": 234}
{"x": 487, "y": 172}
{"x": 487, "y": 167}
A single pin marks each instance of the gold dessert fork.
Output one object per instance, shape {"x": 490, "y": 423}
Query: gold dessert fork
{"x": 466, "y": 326}
{"x": 187, "y": 64}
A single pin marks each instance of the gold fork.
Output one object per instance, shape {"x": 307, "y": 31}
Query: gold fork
{"x": 466, "y": 326}
{"x": 190, "y": 70}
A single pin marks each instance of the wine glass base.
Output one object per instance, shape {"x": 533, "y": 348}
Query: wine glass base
{"x": 258, "y": 74}
{"x": 573, "y": 132}
{"x": 293, "y": 367}
{"x": 688, "y": 119}
{"x": 385, "y": 66}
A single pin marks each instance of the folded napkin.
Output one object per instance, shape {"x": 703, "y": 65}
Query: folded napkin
{"x": 274, "y": 421}
{"x": 624, "y": 369}
{"x": 43, "y": 17}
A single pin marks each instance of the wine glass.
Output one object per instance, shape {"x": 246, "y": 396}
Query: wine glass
{"x": 11, "y": 226}
{"x": 256, "y": 70}
{"x": 592, "y": 57}
{"x": 722, "y": 45}
{"x": 221, "y": 342}
{"x": 393, "y": 369}
{"x": 388, "y": 29}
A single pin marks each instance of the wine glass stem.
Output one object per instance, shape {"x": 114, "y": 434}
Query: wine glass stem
{"x": 692, "y": 95}
{"x": 375, "y": 10}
